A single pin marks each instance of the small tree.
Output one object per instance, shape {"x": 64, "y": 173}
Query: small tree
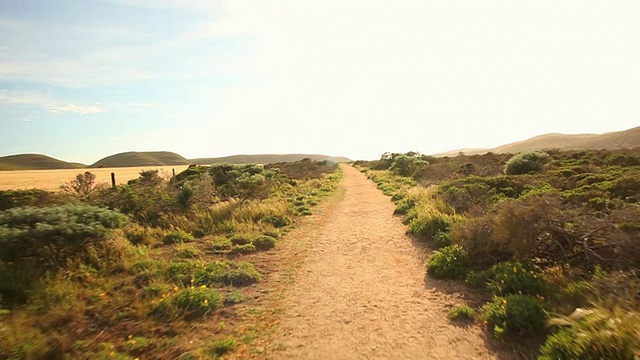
{"x": 408, "y": 164}
{"x": 81, "y": 186}
{"x": 525, "y": 163}
{"x": 243, "y": 182}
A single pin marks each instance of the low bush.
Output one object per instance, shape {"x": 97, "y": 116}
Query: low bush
{"x": 176, "y": 237}
{"x": 241, "y": 274}
{"x": 264, "y": 242}
{"x": 594, "y": 334}
{"x": 53, "y": 235}
{"x": 240, "y": 239}
{"x": 514, "y": 314}
{"x": 220, "y": 244}
{"x": 21, "y": 198}
{"x": 187, "y": 252}
{"x": 512, "y": 277}
{"x": 243, "y": 249}
{"x": 525, "y": 163}
{"x": 196, "y": 301}
{"x": 429, "y": 226}
{"x": 277, "y": 221}
{"x": 212, "y": 273}
{"x": 462, "y": 312}
{"x": 450, "y": 262}
{"x": 233, "y": 297}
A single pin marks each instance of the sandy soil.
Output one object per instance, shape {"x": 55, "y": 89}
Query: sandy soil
{"x": 361, "y": 292}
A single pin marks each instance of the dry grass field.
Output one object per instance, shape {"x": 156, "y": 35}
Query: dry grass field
{"x": 51, "y": 179}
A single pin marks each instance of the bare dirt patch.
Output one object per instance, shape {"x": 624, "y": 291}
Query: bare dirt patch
{"x": 359, "y": 291}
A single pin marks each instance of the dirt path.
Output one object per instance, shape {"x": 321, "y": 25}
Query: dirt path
{"x": 361, "y": 292}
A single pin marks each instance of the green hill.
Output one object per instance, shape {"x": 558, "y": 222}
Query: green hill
{"x": 35, "y": 162}
{"x": 610, "y": 141}
{"x": 137, "y": 159}
{"x": 265, "y": 159}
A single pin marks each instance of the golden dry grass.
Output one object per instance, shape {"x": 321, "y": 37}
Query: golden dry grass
{"x": 51, "y": 179}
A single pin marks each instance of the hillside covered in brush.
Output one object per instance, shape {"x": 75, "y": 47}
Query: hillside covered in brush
{"x": 626, "y": 139}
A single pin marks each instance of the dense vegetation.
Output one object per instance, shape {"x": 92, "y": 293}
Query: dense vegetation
{"x": 553, "y": 238}
{"x": 143, "y": 269}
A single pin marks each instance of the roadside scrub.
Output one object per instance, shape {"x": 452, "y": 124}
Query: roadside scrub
{"x": 551, "y": 237}
{"x": 138, "y": 270}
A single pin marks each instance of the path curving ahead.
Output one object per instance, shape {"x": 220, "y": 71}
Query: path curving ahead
{"x": 361, "y": 293}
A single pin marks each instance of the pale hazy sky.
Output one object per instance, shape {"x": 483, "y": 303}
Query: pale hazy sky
{"x": 80, "y": 79}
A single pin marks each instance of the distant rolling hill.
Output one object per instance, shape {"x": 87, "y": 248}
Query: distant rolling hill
{"x": 266, "y": 159}
{"x": 149, "y": 158}
{"x": 613, "y": 140}
{"x": 35, "y": 162}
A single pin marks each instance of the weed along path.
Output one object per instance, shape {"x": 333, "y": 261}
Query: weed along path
{"x": 361, "y": 292}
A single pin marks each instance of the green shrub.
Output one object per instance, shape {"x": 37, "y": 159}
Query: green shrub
{"x": 429, "y": 226}
{"x": 405, "y": 205}
{"x": 525, "y": 163}
{"x": 233, "y": 297}
{"x": 182, "y": 272}
{"x": 146, "y": 199}
{"x": 407, "y": 165}
{"x": 450, "y": 262}
{"x": 243, "y": 182}
{"x": 137, "y": 234}
{"x": 304, "y": 210}
{"x": 220, "y": 244}
{"x": 264, "y": 242}
{"x": 187, "y": 252}
{"x": 21, "y": 198}
{"x": 514, "y": 314}
{"x": 196, "y": 301}
{"x": 177, "y": 237}
{"x": 242, "y": 274}
{"x": 462, "y": 312}
{"x": 243, "y": 249}
{"x": 53, "y": 235}
{"x": 240, "y": 239}
{"x": 442, "y": 239}
{"x": 277, "y": 221}
{"x": 594, "y": 334}
{"x": 514, "y": 277}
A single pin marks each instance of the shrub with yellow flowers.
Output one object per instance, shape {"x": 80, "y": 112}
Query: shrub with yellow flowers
{"x": 510, "y": 277}
{"x": 515, "y": 314}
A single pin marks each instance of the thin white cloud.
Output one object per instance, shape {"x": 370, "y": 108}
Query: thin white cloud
{"x": 73, "y": 108}
{"x": 34, "y": 98}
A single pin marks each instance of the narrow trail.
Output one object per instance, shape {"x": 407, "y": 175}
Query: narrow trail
{"x": 361, "y": 293}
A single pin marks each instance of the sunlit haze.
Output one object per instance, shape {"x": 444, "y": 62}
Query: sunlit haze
{"x": 81, "y": 80}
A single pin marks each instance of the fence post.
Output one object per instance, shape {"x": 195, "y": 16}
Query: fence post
{"x": 113, "y": 180}
{"x": 174, "y": 172}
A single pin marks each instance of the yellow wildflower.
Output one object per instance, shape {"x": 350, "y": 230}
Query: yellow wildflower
{"x": 203, "y": 287}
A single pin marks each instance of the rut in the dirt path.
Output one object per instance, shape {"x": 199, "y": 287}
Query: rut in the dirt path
{"x": 361, "y": 293}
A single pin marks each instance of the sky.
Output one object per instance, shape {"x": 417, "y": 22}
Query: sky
{"x": 85, "y": 79}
